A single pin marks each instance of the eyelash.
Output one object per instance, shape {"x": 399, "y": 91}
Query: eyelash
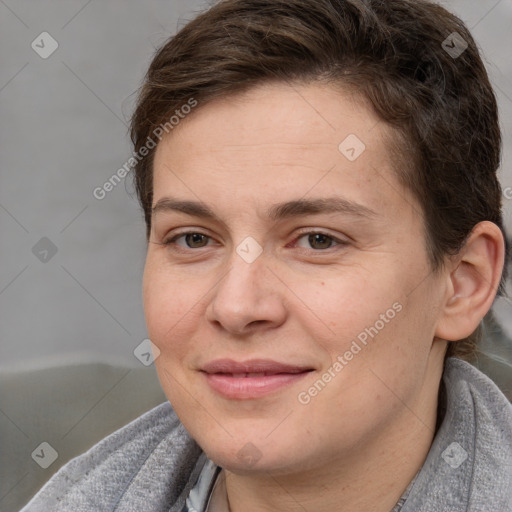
{"x": 172, "y": 241}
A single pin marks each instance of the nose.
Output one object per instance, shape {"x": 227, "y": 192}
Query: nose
{"x": 248, "y": 298}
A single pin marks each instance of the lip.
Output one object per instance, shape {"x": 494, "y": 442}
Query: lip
{"x": 251, "y": 379}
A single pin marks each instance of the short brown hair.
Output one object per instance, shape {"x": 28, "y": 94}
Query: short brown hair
{"x": 395, "y": 53}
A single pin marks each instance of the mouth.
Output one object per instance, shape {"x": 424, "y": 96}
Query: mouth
{"x": 251, "y": 379}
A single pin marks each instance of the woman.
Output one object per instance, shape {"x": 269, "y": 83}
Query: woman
{"x": 324, "y": 227}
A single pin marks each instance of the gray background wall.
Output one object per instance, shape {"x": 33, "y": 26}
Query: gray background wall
{"x": 63, "y": 132}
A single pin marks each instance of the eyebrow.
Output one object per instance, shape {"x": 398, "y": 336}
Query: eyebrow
{"x": 280, "y": 211}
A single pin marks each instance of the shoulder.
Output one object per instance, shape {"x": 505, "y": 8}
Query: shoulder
{"x": 146, "y": 464}
{"x": 468, "y": 467}
{"x": 482, "y": 411}
{"x": 491, "y": 407}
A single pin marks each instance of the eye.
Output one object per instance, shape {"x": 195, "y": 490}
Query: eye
{"x": 315, "y": 240}
{"x": 319, "y": 241}
{"x": 192, "y": 239}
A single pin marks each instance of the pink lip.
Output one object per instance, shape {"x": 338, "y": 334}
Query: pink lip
{"x": 232, "y": 379}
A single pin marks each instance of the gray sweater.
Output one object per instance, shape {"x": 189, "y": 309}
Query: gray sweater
{"x": 150, "y": 464}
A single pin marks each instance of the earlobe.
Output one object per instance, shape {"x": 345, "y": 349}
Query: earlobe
{"x": 473, "y": 282}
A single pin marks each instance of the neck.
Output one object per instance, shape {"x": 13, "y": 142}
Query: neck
{"x": 370, "y": 477}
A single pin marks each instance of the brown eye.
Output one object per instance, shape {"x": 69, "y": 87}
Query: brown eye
{"x": 320, "y": 241}
{"x": 195, "y": 240}
{"x": 188, "y": 240}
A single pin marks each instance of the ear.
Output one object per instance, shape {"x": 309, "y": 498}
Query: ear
{"x": 472, "y": 283}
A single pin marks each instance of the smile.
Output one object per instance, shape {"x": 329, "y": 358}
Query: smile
{"x": 251, "y": 379}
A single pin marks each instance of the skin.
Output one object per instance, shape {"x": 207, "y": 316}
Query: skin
{"x": 364, "y": 436}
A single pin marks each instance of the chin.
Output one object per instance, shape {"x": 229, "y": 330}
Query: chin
{"x": 250, "y": 460}
{"x": 252, "y": 452}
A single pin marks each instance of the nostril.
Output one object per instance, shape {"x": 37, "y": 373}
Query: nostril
{"x": 257, "y": 322}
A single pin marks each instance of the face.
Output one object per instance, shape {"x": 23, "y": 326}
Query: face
{"x": 287, "y": 285}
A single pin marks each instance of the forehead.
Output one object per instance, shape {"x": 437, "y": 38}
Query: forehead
{"x": 275, "y": 115}
{"x": 279, "y": 140}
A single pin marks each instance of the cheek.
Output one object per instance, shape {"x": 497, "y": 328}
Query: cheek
{"x": 171, "y": 308}
{"x": 380, "y": 346}
{"x": 365, "y": 323}
{"x": 343, "y": 306}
